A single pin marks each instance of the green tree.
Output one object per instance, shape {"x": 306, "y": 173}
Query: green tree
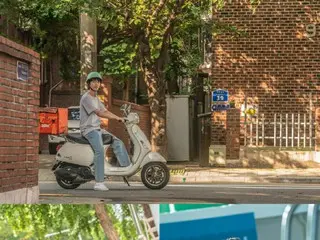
{"x": 155, "y": 37}
{"x": 54, "y": 26}
{"x": 143, "y": 31}
{"x": 160, "y": 38}
{"x": 36, "y": 221}
{"x": 137, "y": 37}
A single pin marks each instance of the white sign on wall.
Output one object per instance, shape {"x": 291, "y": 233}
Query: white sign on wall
{"x": 22, "y": 71}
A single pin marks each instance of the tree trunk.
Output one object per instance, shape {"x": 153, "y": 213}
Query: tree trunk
{"x": 106, "y": 222}
{"x": 156, "y": 89}
{"x": 157, "y": 103}
{"x": 126, "y": 91}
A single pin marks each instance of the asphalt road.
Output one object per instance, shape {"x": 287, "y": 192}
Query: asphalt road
{"x": 50, "y": 192}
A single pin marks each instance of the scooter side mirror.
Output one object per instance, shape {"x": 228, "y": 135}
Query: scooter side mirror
{"x": 123, "y": 108}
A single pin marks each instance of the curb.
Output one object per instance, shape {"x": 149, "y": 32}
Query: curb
{"x": 309, "y": 180}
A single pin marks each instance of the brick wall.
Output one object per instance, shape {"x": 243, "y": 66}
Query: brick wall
{"x": 65, "y": 99}
{"x": 118, "y": 129}
{"x": 218, "y": 129}
{"x": 317, "y": 141}
{"x": 19, "y": 101}
{"x": 233, "y": 134}
{"x": 273, "y": 63}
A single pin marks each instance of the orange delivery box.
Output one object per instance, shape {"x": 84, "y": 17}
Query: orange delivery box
{"x": 53, "y": 120}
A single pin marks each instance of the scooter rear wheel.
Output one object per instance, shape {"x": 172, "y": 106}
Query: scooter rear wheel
{"x": 155, "y": 175}
{"x": 66, "y": 184}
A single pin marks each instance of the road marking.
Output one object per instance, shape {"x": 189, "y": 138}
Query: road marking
{"x": 55, "y": 195}
{"x": 182, "y": 186}
{"x": 281, "y": 187}
{"x": 177, "y": 171}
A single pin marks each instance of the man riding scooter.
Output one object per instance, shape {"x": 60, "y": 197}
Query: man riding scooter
{"x": 91, "y": 110}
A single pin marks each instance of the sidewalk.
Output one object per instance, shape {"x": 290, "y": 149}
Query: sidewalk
{"x": 191, "y": 173}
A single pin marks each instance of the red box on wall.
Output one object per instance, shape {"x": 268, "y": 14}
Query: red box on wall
{"x": 53, "y": 120}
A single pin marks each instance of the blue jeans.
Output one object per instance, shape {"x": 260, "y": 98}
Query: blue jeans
{"x": 119, "y": 149}
{"x": 95, "y": 139}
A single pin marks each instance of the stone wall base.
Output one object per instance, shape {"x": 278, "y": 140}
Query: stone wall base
{"x": 21, "y": 196}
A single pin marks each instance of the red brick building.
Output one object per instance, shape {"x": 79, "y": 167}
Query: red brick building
{"x": 272, "y": 60}
{"x": 19, "y": 138}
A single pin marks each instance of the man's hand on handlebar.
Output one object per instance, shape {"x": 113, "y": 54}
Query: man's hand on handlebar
{"x": 123, "y": 120}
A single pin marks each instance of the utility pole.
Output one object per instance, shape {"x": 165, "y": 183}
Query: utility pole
{"x": 141, "y": 235}
{"x": 88, "y": 48}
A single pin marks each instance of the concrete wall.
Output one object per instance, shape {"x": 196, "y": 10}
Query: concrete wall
{"x": 265, "y": 157}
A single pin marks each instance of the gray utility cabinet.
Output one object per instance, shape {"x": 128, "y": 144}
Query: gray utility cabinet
{"x": 179, "y": 127}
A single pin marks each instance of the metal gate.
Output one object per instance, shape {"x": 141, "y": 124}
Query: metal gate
{"x": 280, "y": 130}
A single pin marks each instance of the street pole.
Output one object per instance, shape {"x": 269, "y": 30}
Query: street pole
{"x": 141, "y": 235}
{"x": 88, "y": 48}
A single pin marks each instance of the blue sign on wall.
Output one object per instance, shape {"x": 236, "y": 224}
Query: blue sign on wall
{"x": 22, "y": 71}
{"x": 239, "y": 226}
{"x": 220, "y": 95}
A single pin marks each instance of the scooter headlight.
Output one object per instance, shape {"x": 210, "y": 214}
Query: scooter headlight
{"x": 133, "y": 118}
{"x": 136, "y": 118}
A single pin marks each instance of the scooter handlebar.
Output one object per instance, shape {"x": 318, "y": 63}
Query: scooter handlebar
{"x": 125, "y": 120}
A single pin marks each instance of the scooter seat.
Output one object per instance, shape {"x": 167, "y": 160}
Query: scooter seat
{"x": 78, "y": 138}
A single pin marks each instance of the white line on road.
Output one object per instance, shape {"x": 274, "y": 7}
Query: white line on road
{"x": 233, "y": 186}
{"x": 296, "y": 187}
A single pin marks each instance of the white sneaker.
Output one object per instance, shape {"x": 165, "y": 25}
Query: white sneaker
{"x": 99, "y": 186}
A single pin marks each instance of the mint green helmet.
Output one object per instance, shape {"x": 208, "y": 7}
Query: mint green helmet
{"x": 93, "y": 75}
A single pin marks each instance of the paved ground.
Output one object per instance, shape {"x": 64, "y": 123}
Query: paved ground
{"x": 50, "y": 192}
{"x": 192, "y": 173}
{"x": 191, "y": 183}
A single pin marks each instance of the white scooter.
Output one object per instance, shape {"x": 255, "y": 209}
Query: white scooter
{"x": 73, "y": 165}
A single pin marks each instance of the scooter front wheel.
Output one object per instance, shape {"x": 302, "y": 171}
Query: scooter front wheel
{"x": 66, "y": 184}
{"x": 155, "y": 175}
